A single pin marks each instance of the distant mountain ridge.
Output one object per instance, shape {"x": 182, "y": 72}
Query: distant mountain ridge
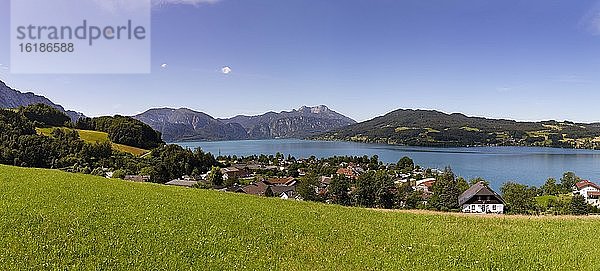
{"x": 186, "y": 125}
{"x": 11, "y": 98}
{"x": 434, "y": 128}
{"x": 300, "y": 123}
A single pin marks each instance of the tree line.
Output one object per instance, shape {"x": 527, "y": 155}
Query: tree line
{"x": 21, "y": 145}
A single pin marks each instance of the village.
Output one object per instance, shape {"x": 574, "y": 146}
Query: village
{"x": 337, "y": 180}
{"x": 358, "y": 181}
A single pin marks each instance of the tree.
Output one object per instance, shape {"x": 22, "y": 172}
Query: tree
{"x": 215, "y": 177}
{"x": 520, "y": 199}
{"x": 307, "y": 187}
{"x": 462, "y": 184}
{"x": 269, "y": 192}
{"x": 477, "y": 180}
{"x": 568, "y": 180}
{"x": 119, "y": 174}
{"x": 149, "y": 171}
{"x": 384, "y": 186}
{"x": 364, "y": 194}
{"x": 550, "y": 187}
{"x": 339, "y": 189}
{"x": 45, "y": 115}
{"x": 405, "y": 164}
{"x": 446, "y": 191}
{"x": 231, "y": 181}
{"x": 578, "y": 206}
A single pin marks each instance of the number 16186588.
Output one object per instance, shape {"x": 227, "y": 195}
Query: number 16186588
{"x": 46, "y": 47}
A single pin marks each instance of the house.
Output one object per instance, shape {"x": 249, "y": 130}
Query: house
{"x": 137, "y": 178}
{"x": 288, "y": 181}
{"x": 283, "y": 192}
{"x": 325, "y": 181}
{"x": 481, "y": 199}
{"x": 425, "y": 185}
{"x": 284, "y": 188}
{"x": 257, "y": 189}
{"x": 182, "y": 183}
{"x": 348, "y": 172}
{"x": 351, "y": 171}
{"x": 589, "y": 190}
{"x": 234, "y": 172}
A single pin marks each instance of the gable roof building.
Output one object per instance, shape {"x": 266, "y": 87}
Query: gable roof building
{"x": 479, "y": 198}
{"x": 586, "y": 184}
{"x": 589, "y": 190}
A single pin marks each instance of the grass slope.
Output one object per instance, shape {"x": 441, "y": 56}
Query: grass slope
{"x": 55, "y": 220}
{"x": 95, "y": 136}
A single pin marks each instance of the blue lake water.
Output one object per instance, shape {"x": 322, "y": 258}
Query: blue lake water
{"x": 528, "y": 165}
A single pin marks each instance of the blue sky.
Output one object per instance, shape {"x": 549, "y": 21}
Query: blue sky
{"x": 524, "y": 60}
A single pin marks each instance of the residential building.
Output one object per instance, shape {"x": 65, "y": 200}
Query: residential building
{"x": 589, "y": 190}
{"x": 481, "y": 199}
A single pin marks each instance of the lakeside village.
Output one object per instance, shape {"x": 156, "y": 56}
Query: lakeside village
{"x": 367, "y": 182}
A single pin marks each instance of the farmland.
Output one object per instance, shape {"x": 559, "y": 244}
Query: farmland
{"x": 55, "y": 220}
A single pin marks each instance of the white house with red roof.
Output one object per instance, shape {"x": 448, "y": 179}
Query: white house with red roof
{"x": 589, "y": 190}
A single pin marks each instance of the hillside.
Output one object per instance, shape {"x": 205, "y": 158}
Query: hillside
{"x": 188, "y": 125}
{"x": 11, "y": 98}
{"x": 55, "y": 220}
{"x": 434, "y": 128}
{"x": 95, "y": 136}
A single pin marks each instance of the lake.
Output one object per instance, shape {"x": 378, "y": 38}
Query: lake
{"x": 528, "y": 165}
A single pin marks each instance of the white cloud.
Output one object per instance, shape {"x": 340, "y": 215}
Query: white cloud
{"x": 164, "y": 65}
{"x": 226, "y": 70}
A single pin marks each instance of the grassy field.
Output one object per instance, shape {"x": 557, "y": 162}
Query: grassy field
{"x": 95, "y": 136}
{"x": 55, "y": 220}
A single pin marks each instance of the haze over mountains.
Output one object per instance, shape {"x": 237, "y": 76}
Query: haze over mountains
{"x": 11, "y": 98}
{"x": 186, "y": 125}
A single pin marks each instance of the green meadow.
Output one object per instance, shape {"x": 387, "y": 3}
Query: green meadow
{"x": 95, "y": 136}
{"x": 55, "y": 220}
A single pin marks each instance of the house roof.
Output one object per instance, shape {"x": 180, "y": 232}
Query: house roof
{"x": 182, "y": 183}
{"x": 345, "y": 171}
{"x": 255, "y": 188}
{"x": 278, "y": 190}
{"x": 427, "y": 184}
{"x": 326, "y": 180}
{"x": 478, "y": 189}
{"x": 585, "y": 183}
{"x": 431, "y": 180}
{"x": 280, "y": 181}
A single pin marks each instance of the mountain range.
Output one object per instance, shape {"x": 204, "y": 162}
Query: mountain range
{"x": 11, "y": 98}
{"x": 434, "y": 128}
{"x": 400, "y": 127}
{"x": 186, "y": 125}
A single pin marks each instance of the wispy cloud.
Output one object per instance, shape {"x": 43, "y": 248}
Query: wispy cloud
{"x": 572, "y": 78}
{"x": 590, "y": 21}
